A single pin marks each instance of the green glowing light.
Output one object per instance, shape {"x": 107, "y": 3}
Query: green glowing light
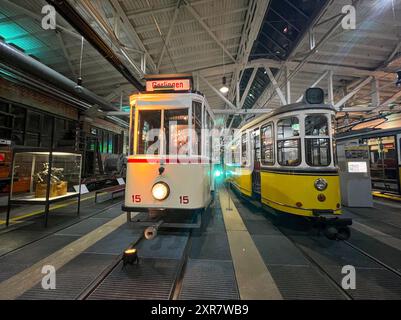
{"x": 217, "y": 173}
{"x": 11, "y": 30}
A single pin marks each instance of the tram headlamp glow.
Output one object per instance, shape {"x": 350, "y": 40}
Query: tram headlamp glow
{"x": 217, "y": 173}
{"x": 160, "y": 191}
{"x": 321, "y": 184}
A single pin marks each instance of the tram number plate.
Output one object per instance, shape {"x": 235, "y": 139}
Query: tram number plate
{"x": 136, "y": 198}
{"x": 184, "y": 199}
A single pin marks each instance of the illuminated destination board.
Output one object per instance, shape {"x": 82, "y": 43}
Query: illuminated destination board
{"x": 168, "y": 85}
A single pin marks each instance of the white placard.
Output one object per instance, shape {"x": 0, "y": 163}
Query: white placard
{"x": 121, "y": 181}
{"x": 357, "y": 167}
{"x": 84, "y": 189}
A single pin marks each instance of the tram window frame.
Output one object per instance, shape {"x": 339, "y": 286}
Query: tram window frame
{"x": 244, "y": 149}
{"x": 196, "y": 128}
{"x": 141, "y": 143}
{"x": 167, "y": 134}
{"x": 207, "y": 134}
{"x": 281, "y": 148}
{"x": 314, "y": 141}
{"x": 263, "y": 147}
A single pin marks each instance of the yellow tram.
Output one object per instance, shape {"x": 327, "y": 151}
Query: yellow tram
{"x": 285, "y": 159}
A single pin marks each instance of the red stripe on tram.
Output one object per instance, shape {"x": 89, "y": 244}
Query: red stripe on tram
{"x": 173, "y": 161}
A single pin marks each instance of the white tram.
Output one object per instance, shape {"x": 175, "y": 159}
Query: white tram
{"x": 170, "y": 162}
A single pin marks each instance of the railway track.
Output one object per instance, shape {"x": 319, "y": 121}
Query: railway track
{"x": 319, "y": 268}
{"x": 383, "y": 282}
{"x": 335, "y": 282}
{"x": 135, "y": 281}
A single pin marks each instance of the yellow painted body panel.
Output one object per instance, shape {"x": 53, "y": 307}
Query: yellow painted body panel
{"x": 282, "y": 191}
{"x": 241, "y": 178}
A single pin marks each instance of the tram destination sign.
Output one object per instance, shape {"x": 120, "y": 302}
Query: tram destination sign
{"x": 168, "y": 85}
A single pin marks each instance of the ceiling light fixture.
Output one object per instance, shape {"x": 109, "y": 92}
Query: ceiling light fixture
{"x": 224, "y": 89}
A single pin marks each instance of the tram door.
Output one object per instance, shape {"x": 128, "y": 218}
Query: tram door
{"x": 384, "y": 164}
{"x": 256, "y": 162}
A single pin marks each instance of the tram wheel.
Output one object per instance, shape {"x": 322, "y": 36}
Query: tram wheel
{"x": 344, "y": 233}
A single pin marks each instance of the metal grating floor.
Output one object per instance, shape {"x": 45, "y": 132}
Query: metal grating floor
{"x": 150, "y": 279}
{"x": 333, "y": 253}
{"x": 303, "y": 283}
{"x": 38, "y": 250}
{"x": 278, "y": 250}
{"x": 167, "y": 246}
{"x": 71, "y": 279}
{"x": 211, "y": 246}
{"x": 379, "y": 250}
{"x": 209, "y": 279}
{"x": 372, "y": 284}
{"x": 84, "y": 227}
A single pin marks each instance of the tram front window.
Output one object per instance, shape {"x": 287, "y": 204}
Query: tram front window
{"x": 317, "y": 149}
{"x": 288, "y": 143}
{"x": 176, "y": 131}
{"x": 149, "y": 123}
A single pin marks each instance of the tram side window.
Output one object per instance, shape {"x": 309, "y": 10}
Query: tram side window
{"x": 288, "y": 143}
{"x": 197, "y": 128}
{"x": 208, "y": 135}
{"x": 176, "y": 131}
{"x": 244, "y": 150}
{"x": 267, "y": 144}
{"x": 317, "y": 149}
{"x": 149, "y": 123}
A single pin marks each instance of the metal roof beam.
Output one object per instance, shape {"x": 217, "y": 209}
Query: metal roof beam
{"x": 167, "y": 8}
{"x": 241, "y": 111}
{"x": 322, "y": 76}
{"x": 66, "y": 55}
{"x": 229, "y": 103}
{"x": 132, "y": 34}
{"x": 276, "y": 86}
{"x": 392, "y": 99}
{"x": 170, "y": 29}
{"x": 39, "y": 18}
{"x": 348, "y": 96}
{"x": 248, "y": 86}
{"x": 207, "y": 28}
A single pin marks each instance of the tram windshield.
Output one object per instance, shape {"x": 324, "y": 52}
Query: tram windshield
{"x": 176, "y": 137}
{"x": 149, "y": 124}
{"x": 288, "y": 142}
{"x": 317, "y": 149}
{"x": 168, "y": 132}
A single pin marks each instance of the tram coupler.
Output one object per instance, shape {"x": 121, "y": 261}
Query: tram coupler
{"x": 151, "y": 232}
{"x": 334, "y": 228}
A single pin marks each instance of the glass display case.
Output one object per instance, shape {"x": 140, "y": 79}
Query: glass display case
{"x": 32, "y": 184}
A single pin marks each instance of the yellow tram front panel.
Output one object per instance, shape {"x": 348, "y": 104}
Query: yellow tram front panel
{"x": 295, "y": 193}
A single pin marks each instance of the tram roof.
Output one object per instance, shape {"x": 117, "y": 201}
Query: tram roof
{"x": 300, "y": 106}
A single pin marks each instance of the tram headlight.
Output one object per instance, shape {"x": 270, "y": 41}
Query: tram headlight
{"x": 160, "y": 191}
{"x": 321, "y": 184}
